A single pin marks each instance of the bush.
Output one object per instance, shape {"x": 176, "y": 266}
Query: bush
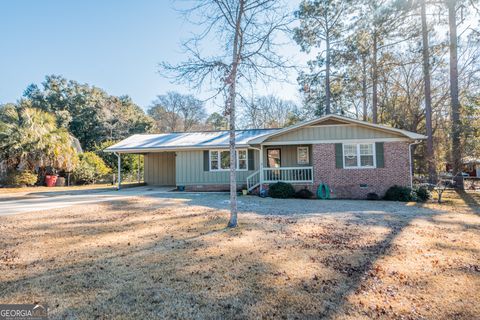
{"x": 372, "y": 196}
{"x": 423, "y": 194}
{"x": 90, "y": 168}
{"x": 399, "y": 193}
{"x": 17, "y": 178}
{"x": 281, "y": 190}
{"x": 304, "y": 194}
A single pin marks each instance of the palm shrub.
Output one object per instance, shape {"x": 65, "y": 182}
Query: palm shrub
{"x": 31, "y": 138}
{"x": 281, "y": 190}
{"x": 25, "y": 178}
{"x": 90, "y": 168}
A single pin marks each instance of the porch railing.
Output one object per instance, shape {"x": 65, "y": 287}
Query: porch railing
{"x": 253, "y": 180}
{"x": 288, "y": 174}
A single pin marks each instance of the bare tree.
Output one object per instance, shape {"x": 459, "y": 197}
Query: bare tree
{"x": 177, "y": 112}
{"x": 245, "y": 32}
{"x": 269, "y": 112}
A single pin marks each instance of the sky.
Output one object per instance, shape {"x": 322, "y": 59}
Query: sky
{"x": 115, "y": 45}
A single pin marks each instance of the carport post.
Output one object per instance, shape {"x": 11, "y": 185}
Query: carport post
{"x": 119, "y": 165}
{"x": 138, "y": 169}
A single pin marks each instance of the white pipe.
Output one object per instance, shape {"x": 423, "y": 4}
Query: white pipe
{"x": 410, "y": 160}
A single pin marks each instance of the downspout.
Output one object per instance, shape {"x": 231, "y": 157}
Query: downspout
{"x": 410, "y": 160}
{"x": 119, "y": 164}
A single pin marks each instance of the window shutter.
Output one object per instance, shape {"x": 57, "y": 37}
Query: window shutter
{"x": 251, "y": 159}
{"x": 379, "y": 155}
{"x": 206, "y": 160}
{"x": 338, "y": 155}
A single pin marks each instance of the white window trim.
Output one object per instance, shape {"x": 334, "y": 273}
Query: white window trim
{"x": 219, "y": 161}
{"x": 308, "y": 155}
{"x": 358, "y": 166}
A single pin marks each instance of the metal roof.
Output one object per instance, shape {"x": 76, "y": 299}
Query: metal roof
{"x": 139, "y": 143}
{"x": 185, "y": 140}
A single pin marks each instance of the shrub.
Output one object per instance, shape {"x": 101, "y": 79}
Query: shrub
{"x": 372, "y": 196}
{"x": 423, "y": 194}
{"x": 90, "y": 168}
{"x": 281, "y": 190}
{"x": 17, "y": 178}
{"x": 399, "y": 193}
{"x": 304, "y": 194}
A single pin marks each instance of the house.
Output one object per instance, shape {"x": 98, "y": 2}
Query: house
{"x": 352, "y": 157}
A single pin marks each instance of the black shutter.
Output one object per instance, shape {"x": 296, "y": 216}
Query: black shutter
{"x": 338, "y": 155}
{"x": 379, "y": 155}
{"x": 251, "y": 159}
{"x": 206, "y": 160}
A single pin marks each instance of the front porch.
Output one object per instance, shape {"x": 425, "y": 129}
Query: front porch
{"x": 283, "y": 163}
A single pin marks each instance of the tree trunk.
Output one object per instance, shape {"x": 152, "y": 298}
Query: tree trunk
{"x": 455, "y": 103}
{"x": 375, "y": 79}
{"x": 232, "y": 81}
{"x": 327, "y": 76}
{"x": 432, "y": 172}
{"x": 364, "y": 87}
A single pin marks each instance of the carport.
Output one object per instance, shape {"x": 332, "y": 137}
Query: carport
{"x": 158, "y": 170}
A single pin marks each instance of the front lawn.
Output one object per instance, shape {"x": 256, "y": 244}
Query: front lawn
{"x": 171, "y": 257}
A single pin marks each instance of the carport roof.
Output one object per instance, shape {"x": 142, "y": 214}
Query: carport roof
{"x": 185, "y": 140}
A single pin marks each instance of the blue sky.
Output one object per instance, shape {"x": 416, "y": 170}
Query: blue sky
{"x": 112, "y": 44}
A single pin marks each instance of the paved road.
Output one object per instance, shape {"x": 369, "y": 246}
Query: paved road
{"x": 46, "y": 202}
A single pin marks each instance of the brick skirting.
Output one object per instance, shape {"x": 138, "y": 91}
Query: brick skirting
{"x": 211, "y": 187}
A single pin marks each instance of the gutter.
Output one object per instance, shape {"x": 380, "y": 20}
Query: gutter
{"x": 410, "y": 160}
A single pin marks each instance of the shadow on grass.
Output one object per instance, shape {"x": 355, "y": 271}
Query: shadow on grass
{"x": 471, "y": 200}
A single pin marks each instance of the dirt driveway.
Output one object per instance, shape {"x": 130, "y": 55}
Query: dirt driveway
{"x": 168, "y": 255}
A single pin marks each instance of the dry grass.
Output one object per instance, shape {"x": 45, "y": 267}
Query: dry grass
{"x": 171, "y": 257}
{"x": 53, "y": 189}
{"x": 42, "y": 189}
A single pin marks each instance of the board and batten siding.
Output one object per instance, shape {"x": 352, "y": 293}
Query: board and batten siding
{"x": 332, "y": 132}
{"x": 190, "y": 170}
{"x": 160, "y": 168}
{"x": 288, "y": 155}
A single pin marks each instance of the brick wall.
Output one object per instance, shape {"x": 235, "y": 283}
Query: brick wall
{"x": 357, "y": 183}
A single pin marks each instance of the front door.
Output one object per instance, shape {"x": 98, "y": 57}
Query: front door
{"x": 274, "y": 158}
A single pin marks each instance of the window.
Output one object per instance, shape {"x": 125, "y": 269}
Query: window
{"x": 350, "y": 155}
{"x": 242, "y": 159}
{"x": 359, "y": 155}
{"x": 220, "y": 160}
{"x": 302, "y": 155}
{"x": 366, "y": 155}
{"x": 273, "y": 158}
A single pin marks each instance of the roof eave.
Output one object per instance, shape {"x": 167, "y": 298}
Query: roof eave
{"x": 171, "y": 149}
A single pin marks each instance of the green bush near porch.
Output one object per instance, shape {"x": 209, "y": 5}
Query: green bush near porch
{"x": 281, "y": 190}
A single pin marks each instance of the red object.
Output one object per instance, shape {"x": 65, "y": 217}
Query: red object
{"x": 50, "y": 180}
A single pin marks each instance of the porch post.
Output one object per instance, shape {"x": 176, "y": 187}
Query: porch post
{"x": 261, "y": 167}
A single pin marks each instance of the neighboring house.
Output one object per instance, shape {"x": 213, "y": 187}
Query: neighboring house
{"x": 352, "y": 157}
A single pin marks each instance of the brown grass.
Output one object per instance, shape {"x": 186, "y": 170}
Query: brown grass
{"x": 171, "y": 257}
{"x": 53, "y": 189}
